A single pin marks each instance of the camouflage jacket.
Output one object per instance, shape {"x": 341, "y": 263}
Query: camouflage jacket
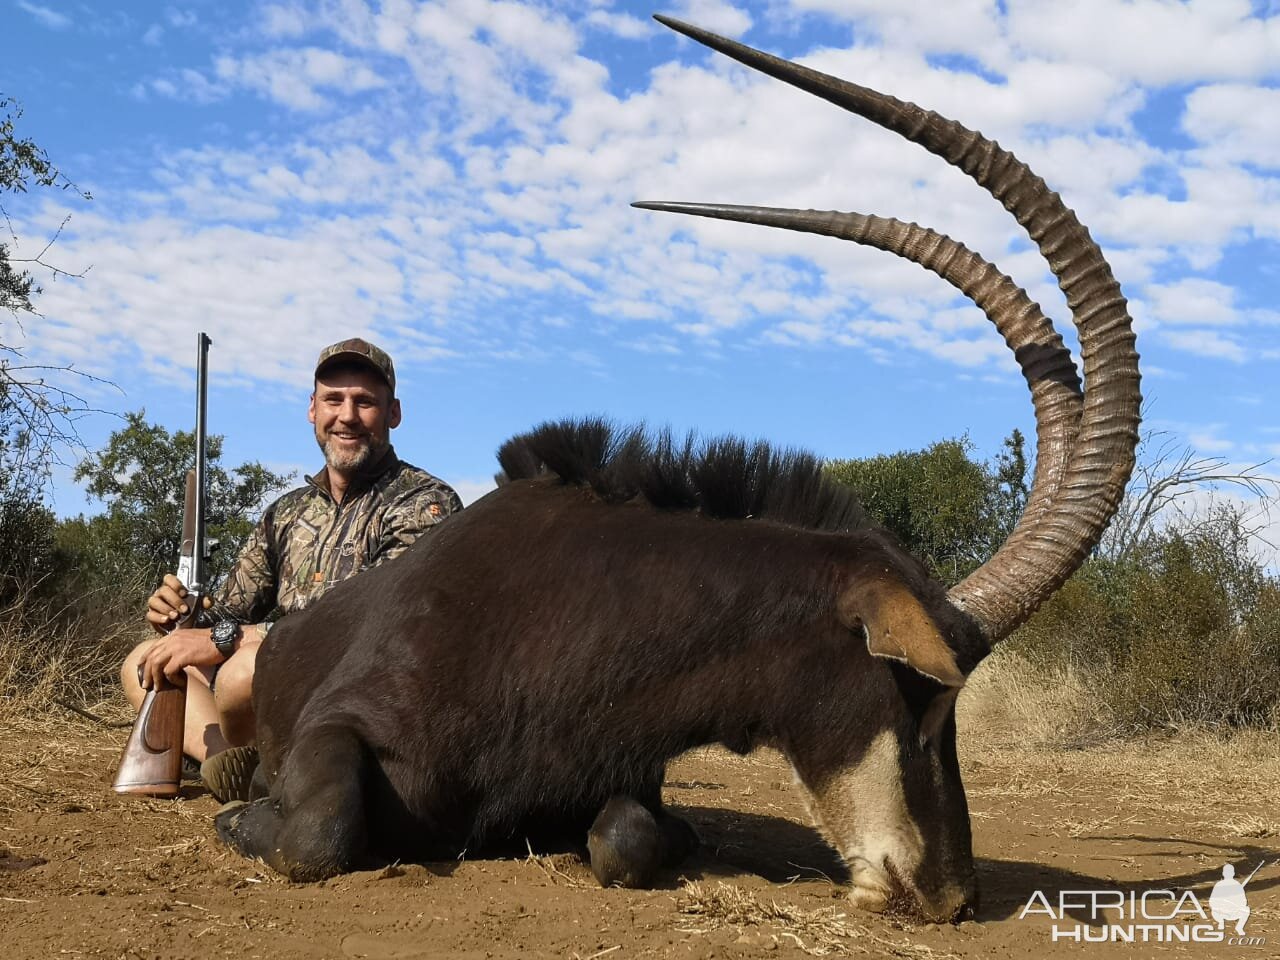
{"x": 306, "y": 542}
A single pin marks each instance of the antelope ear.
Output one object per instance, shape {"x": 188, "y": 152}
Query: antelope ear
{"x": 899, "y": 628}
{"x": 936, "y": 714}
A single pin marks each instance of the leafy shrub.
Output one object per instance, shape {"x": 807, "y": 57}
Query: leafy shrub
{"x": 949, "y": 510}
{"x": 1184, "y": 631}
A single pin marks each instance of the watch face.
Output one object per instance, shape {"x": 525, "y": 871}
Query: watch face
{"x": 224, "y": 635}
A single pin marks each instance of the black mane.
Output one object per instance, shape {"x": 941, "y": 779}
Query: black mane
{"x": 724, "y": 477}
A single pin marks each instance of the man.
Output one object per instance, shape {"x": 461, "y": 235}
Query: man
{"x": 365, "y": 507}
{"x": 1227, "y": 900}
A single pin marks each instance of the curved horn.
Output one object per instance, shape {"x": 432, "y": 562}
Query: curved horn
{"x": 1046, "y": 364}
{"x": 1093, "y": 466}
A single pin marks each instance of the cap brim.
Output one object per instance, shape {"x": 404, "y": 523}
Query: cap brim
{"x": 350, "y": 356}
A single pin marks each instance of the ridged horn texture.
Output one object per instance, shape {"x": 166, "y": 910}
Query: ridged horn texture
{"x": 1046, "y": 363}
{"x": 1085, "y": 451}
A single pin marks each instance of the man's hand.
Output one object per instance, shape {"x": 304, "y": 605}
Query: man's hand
{"x": 168, "y": 605}
{"x": 172, "y": 654}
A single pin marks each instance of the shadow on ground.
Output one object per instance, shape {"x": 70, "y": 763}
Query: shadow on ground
{"x": 1007, "y": 885}
{"x": 781, "y": 850}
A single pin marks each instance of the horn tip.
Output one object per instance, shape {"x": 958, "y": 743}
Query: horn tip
{"x": 680, "y": 26}
{"x": 684, "y": 206}
{"x": 670, "y": 206}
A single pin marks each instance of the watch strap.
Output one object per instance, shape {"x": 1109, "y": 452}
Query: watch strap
{"x": 223, "y": 634}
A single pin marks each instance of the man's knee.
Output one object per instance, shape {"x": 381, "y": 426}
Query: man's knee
{"x": 235, "y": 676}
{"x": 129, "y": 670}
{"x": 233, "y": 694}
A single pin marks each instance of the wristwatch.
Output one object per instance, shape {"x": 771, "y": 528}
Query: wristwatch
{"x": 223, "y": 634}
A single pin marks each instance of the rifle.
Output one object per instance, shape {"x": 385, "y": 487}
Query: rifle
{"x": 1255, "y": 870}
{"x": 152, "y": 761}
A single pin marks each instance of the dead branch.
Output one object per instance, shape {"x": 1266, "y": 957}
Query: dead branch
{"x": 1169, "y": 472}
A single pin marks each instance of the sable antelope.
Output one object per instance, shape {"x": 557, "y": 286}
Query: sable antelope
{"x": 622, "y": 598}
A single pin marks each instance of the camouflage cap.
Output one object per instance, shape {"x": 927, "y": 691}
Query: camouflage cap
{"x": 359, "y": 351}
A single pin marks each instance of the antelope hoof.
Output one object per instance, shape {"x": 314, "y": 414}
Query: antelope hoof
{"x": 626, "y": 844}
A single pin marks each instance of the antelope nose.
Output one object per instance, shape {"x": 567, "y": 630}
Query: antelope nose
{"x": 953, "y": 904}
{"x": 968, "y": 910}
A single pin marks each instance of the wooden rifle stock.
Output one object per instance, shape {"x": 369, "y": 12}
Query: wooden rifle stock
{"x": 152, "y": 760}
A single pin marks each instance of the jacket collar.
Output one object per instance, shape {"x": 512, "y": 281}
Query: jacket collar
{"x": 369, "y": 475}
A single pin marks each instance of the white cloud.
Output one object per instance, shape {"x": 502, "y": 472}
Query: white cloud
{"x": 186, "y": 84}
{"x": 1259, "y": 519}
{"x": 284, "y": 20}
{"x": 1147, "y": 41}
{"x": 620, "y": 24}
{"x": 1089, "y": 169}
{"x": 153, "y": 36}
{"x": 159, "y": 274}
{"x": 970, "y": 27}
{"x": 488, "y": 172}
{"x": 1196, "y": 302}
{"x": 46, "y": 16}
{"x": 201, "y": 88}
{"x": 1235, "y": 124}
{"x": 1206, "y": 343}
{"x": 1208, "y": 440}
{"x": 292, "y": 77}
{"x": 472, "y": 489}
{"x": 1222, "y": 205}
{"x": 180, "y": 19}
{"x": 1151, "y": 41}
{"x": 718, "y": 16}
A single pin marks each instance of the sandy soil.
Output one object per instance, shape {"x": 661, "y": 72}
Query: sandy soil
{"x": 85, "y": 873}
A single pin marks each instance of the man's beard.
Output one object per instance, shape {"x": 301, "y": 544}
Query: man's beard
{"x": 348, "y": 461}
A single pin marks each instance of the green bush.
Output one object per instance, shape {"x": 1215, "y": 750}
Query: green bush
{"x": 73, "y": 591}
{"x": 140, "y": 475}
{"x": 949, "y": 510}
{"x": 1185, "y": 631}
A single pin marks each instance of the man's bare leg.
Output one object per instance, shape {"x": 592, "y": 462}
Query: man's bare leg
{"x": 229, "y": 775}
{"x": 233, "y": 695}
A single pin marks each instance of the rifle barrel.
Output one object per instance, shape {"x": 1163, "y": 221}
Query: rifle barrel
{"x": 202, "y": 388}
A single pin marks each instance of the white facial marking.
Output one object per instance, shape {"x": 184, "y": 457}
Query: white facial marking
{"x": 863, "y": 810}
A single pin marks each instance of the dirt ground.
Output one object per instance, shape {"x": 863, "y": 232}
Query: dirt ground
{"x": 85, "y": 873}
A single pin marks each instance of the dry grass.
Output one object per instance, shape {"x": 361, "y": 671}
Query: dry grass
{"x": 66, "y": 748}
{"x": 1075, "y": 828}
{"x": 559, "y": 868}
{"x": 1010, "y": 699}
{"x": 61, "y": 770}
{"x": 821, "y": 932}
{"x": 1252, "y": 827}
{"x": 1210, "y": 783}
{"x": 50, "y": 664}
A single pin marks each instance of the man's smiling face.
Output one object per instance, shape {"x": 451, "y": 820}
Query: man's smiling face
{"x": 353, "y": 413}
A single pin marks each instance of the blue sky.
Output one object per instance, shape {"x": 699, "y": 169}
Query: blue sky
{"x": 451, "y": 179}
